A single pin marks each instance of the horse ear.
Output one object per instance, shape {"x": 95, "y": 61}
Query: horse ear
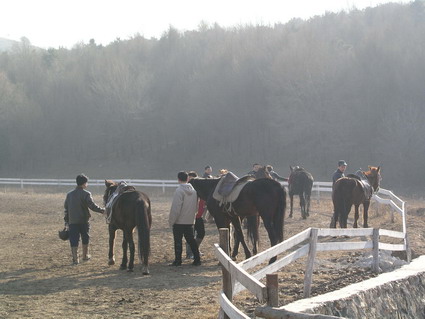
{"x": 108, "y": 183}
{"x": 291, "y": 168}
{"x": 378, "y": 169}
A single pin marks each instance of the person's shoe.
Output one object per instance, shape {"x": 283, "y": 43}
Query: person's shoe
{"x": 196, "y": 263}
{"x": 189, "y": 256}
{"x": 176, "y": 263}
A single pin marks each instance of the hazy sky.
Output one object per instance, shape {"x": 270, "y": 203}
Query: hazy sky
{"x": 55, "y": 23}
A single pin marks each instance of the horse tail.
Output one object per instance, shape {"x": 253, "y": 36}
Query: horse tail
{"x": 143, "y": 221}
{"x": 253, "y": 224}
{"x": 279, "y": 216}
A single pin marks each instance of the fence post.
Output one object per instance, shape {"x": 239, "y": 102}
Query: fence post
{"x": 22, "y": 184}
{"x": 272, "y": 290}
{"x": 227, "y": 280}
{"x": 310, "y": 262}
{"x": 375, "y": 240}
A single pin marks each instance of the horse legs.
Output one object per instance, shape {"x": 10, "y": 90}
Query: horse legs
{"x": 291, "y": 196}
{"x": 240, "y": 237}
{"x": 356, "y": 216}
{"x": 307, "y": 200}
{"x": 124, "y": 252}
{"x": 302, "y": 205}
{"x": 344, "y": 217}
{"x": 130, "y": 241}
{"x": 365, "y": 213}
{"x": 112, "y": 232}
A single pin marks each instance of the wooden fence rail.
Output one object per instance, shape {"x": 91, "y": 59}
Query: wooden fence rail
{"x": 302, "y": 244}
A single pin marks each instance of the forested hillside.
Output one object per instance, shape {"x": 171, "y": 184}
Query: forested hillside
{"x": 339, "y": 86}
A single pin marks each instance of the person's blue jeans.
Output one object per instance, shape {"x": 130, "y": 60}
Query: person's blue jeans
{"x": 75, "y": 230}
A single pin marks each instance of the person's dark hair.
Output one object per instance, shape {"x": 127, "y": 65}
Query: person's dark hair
{"x": 182, "y": 176}
{"x": 206, "y": 167}
{"x": 192, "y": 174}
{"x": 81, "y": 179}
{"x": 255, "y": 164}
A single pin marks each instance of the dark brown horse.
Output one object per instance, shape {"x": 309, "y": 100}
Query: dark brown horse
{"x": 263, "y": 197}
{"x": 132, "y": 208}
{"x": 354, "y": 190}
{"x": 300, "y": 183}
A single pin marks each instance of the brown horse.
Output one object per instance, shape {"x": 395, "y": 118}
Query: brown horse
{"x": 354, "y": 190}
{"x": 300, "y": 183}
{"x": 263, "y": 197}
{"x": 132, "y": 208}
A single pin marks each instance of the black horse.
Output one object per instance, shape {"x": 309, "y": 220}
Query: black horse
{"x": 263, "y": 197}
{"x": 300, "y": 183}
{"x": 354, "y": 190}
{"x": 132, "y": 208}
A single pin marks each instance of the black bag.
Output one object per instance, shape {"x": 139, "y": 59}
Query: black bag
{"x": 64, "y": 234}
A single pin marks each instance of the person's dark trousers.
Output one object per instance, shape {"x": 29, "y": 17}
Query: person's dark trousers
{"x": 199, "y": 228}
{"x": 187, "y": 231}
{"x": 75, "y": 230}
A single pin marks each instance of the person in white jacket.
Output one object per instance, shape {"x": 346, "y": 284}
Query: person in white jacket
{"x": 182, "y": 218}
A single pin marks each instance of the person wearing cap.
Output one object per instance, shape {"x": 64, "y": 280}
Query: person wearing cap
{"x": 77, "y": 215}
{"x": 342, "y": 166}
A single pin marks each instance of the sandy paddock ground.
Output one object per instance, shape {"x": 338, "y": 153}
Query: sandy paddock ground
{"x": 37, "y": 279}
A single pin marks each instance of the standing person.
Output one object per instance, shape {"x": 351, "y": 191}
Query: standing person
{"x": 342, "y": 166}
{"x": 199, "y": 228}
{"x": 182, "y": 217}
{"x": 255, "y": 168}
{"x": 77, "y": 215}
{"x": 207, "y": 172}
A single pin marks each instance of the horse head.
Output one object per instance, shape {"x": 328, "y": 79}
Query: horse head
{"x": 111, "y": 186}
{"x": 374, "y": 177}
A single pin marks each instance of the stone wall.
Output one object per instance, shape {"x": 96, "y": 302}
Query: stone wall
{"x": 397, "y": 294}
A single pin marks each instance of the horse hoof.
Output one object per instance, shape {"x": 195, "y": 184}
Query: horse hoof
{"x": 123, "y": 267}
{"x": 146, "y": 272}
{"x": 130, "y": 270}
{"x": 111, "y": 262}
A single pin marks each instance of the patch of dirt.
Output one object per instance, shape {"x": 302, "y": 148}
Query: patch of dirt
{"x": 37, "y": 279}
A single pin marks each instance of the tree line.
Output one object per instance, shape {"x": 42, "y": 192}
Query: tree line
{"x": 345, "y": 85}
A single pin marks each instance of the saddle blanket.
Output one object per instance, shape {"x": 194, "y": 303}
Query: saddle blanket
{"x": 229, "y": 188}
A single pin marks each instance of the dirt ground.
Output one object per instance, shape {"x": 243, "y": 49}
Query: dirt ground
{"x": 37, "y": 279}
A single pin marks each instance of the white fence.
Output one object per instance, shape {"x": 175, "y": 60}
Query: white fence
{"x": 236, "y": 277}
{"x": 20, "y": 182}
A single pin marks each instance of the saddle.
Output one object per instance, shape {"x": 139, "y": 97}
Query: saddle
{"x": 121, "y": 189}
{"x": 229, "y": 188}
{"x": 364, "y": 183}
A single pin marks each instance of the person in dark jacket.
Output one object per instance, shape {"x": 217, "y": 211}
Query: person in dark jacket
{"x": 342, "y": 166}
{"x": 77, "y": 215}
